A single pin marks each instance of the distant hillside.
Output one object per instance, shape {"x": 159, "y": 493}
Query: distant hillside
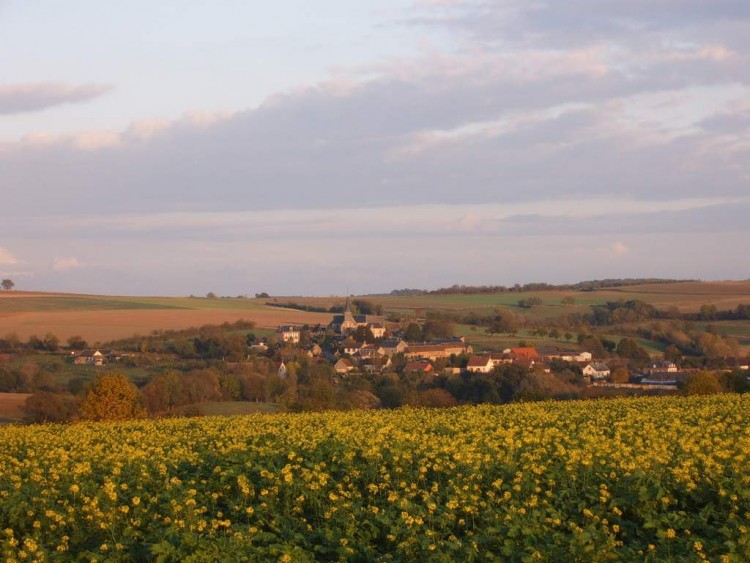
{"x": 590, "y": 285}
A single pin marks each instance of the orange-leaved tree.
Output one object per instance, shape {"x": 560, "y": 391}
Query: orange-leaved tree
{"x": 112, "y": 397}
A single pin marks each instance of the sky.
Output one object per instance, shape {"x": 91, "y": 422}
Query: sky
{"x": 321, "y": 148}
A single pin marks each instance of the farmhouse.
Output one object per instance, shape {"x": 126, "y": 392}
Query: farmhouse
{"x": 375, "y": 365}
{"x": 414, "y": 367}
{"x": 343, "y": 366}
{"x": 391, "y": 347}
{"x": 524, "y": 354}
{"x": 437, "y": 349}
{"x": 351, "y": 347}
{"x": 480, "y": 364}
{"x": 94, "y": 357}
{"x": 377, "y": 329}
{"x": 596, "y": 370}
{"x": 551, "y": 353}
{"x": 664, "y": 366}
{"x": 501, "y": 358}
{"x": 289, "y": 333}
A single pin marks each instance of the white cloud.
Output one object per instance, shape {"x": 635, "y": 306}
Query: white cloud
{"x": 66, "y": 264}
{"x": 138, "y": 132}
{"x": 7, "y": 258}
{"x": 21, "y": 98}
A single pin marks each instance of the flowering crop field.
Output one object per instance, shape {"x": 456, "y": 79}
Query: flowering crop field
{"x": 624, "y": 480}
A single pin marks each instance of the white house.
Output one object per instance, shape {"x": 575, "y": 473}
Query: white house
{"x": 289, "y": 333}
{"x": 377, "y": 329}
{"x": 596, "y": 370}
{"x": 480, "y": 364}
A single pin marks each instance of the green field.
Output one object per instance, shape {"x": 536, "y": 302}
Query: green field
{"x": 686, "y": 297}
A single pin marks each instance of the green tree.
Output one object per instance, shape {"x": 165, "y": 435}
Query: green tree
{"x": 163, "y": 393}
{"x": 413, "y": 333}
{"x": 76, "y": 343}
{"x": 49, "y": 407}
{"x": 530, "y": 302}
{"x": 672, "y": 354}
{"x": 9, "y": 380}
{"x": 708, "y": 312}
{"x": 702, "y": 383}
{"x": 620, "y": 375}
{"x": 10, "y": 343}
{"x": 112, "y": 397}
{"x": 7, "y": 284}
{"x": 504, "y": 322}
{"x": 437, "y": 328}
{"x": 51, "y": 342}
{"x": 629, "y": 348}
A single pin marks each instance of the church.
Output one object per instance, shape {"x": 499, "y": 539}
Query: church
{"x": 347, "y": 321}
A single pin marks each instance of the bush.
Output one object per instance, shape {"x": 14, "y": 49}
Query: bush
{"x": 702, "y": 383}
{"x": 50, "y": 407}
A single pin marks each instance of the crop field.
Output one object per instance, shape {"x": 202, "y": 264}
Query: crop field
{"x": 686, "y": 296}
{"x": 105, "y": 318}
{"x": 101, "y": 319}
{"x": 650, "y": 479}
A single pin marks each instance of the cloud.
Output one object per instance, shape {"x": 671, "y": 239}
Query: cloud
{"x": 548, "y": 217}
{"x": 66, "y": 264}
{"x": 30, "y": 97}
{"x": 620, "y": 248}
{"x": 589, "y": 121}
{"x": 563, "y": 24}
{"x": 141, "y": 131}
{"x": 7, "y": 258}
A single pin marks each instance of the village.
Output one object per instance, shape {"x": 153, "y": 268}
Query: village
{"x": 360, "y": 344}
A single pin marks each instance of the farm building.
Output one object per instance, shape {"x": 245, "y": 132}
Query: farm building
{"x": 480, "y": 364}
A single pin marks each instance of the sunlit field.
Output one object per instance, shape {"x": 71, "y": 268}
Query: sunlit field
{"x": 628, "y": 480}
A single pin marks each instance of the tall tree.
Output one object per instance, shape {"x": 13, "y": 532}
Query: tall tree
{"x": 413, "y": 333}
{"x": 7, "y": 284}
{"x": 112, "y": 397}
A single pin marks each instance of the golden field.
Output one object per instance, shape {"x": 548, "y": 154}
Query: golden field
{"x": 624, "y": 480}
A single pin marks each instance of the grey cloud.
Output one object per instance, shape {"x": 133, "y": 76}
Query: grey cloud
{"x": 317, "y": 150}
{"x": 324, "y": 148}
{"x": 711, "y": 220}
{"x": 584, "y": 21}
{"x": 23, "y": 98}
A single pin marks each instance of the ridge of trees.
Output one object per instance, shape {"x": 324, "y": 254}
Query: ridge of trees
{"x": 357, "y": 306}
